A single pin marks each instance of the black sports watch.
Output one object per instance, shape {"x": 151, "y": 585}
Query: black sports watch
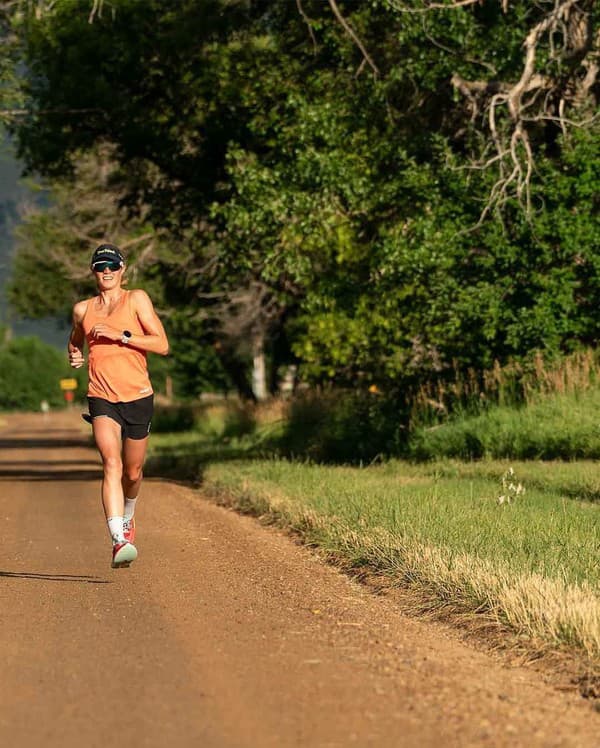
{"x": 125, "y": 337}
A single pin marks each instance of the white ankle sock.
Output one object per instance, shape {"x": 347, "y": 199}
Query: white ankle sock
{"x": 115, "y": 528}
{"x": 129, "y": 508}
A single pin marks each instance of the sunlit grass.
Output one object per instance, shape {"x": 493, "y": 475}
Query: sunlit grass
{"x": 532, "y": 563}
{"x": 563, "y": 426}
{"x": 575, "y": 479}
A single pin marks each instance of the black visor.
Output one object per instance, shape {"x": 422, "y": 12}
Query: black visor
{"x": 107, "y": 253}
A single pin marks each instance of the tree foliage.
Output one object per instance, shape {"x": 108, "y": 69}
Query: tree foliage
{"x": 333, "y": 183}
{"x": 29, "y": 373}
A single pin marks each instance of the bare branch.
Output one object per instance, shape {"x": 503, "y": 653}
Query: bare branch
{"x": 350, "y": 31}
{"x": 550, "y": 91}
{"x": 565, "y": 121}
{"x": 137, "y": 240}
{"x": 96, "y": 8}
{"x": 308, "y": 22}
{"x": 428, "y": 6}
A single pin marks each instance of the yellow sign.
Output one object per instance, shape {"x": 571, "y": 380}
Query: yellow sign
{"x": 68, "y": 384}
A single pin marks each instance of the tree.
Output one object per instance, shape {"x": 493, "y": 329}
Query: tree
{"x": 313, "y": 177}
{"x": 10, "y": 41}
{"x": 29, "y": 373}
{"x": 178, "y": 184}
{"x": 51, "y": 267}
{"x": 516, "y": 108}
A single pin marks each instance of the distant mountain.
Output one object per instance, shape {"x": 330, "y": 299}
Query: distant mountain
{"x": 13, "y": 193}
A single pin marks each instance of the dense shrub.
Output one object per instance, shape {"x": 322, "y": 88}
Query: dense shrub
{"x": 239, "y": 421}
{"x": 30, "y": 371}
{"x": 173, "y": 418}
{"x": 344, "y": 426}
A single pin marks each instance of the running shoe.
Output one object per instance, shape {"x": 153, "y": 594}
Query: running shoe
{"x": 123, "y": 554}
{"x": 129, "y": 529}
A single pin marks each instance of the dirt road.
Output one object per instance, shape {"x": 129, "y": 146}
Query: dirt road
{"x": 223, "y": 633}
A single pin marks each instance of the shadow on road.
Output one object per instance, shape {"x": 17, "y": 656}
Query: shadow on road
{"x": 14, "y": 464}
{"x": 44, "y": 476}
{"x": 35, "y": 470}
{"x": 25, "y": 443}
{"x": 84, "y": 578}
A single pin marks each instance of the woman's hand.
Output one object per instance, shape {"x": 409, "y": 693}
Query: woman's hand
{"x": 106, "y": 331}
{"x": 76, "y": 358}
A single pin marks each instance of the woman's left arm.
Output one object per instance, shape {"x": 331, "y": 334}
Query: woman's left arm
{"x": 154, "y": 339}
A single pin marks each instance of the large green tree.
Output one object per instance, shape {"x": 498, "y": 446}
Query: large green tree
{"x": 377, "y": 190}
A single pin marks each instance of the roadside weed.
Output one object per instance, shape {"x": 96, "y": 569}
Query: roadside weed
{"x": 511, "y": 490}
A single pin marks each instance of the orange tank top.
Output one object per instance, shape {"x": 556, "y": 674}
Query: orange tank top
{"x": 116, "y": 372}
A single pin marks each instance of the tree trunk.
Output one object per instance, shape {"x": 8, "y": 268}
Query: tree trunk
{"x": 259, "y": 368}
{"x": 235, "y": 371}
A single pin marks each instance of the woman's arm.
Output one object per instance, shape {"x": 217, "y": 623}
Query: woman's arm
{"x": 77, "y": 337}
{"x": 154, "y": 339}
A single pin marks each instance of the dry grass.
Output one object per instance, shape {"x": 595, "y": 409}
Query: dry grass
{"x": 558, "y": 607}
{"x": 506, "y": 385}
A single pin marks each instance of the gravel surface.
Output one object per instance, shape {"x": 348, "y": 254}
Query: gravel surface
{"x": 223, "y": 632}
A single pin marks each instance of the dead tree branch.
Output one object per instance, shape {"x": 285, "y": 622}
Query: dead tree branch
{"x": 557, "y": 84}
{"x": 308, "y": 23}
{"x": 427, "y": 6}
{"x": 353, "y": 35}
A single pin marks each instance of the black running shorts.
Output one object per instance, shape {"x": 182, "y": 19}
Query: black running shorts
{"x": 134, "y": 417}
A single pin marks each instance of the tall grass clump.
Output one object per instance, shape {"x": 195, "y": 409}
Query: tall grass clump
{"x": 173, "y": 418}
{"x": 225, "y": 419}
{"x": 565, "y": 427}
{"x": 221, "y": 430}
{"x": 549, "y": 415}
{"x": 518, "y": 383}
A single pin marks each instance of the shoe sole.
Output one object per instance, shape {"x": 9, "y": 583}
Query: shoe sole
{"x": 124, "y": 557}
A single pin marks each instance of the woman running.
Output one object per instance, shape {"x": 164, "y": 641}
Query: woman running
{"x": 120, "y": 327}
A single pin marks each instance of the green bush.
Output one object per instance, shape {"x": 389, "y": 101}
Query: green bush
{"x": 173, "y": 418}
{"x": 239, "y": 421}
{"x": 30, "y": 371}
{"x": 344, "y": 426}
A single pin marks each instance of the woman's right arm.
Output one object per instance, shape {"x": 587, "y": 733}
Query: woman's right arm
{"x": 77, "y": 336}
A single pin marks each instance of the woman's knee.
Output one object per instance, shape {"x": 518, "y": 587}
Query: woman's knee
{"x": 132, "y": 473}
{"x": 112, "y": 464}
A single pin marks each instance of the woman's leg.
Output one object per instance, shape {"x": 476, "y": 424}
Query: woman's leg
{"x": 134, "y": 453}
{"x": 107, "y": 434}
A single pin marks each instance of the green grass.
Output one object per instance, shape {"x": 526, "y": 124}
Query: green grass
{"x": 576, "y": 479}
{"x": 541, "y": 532}
{"x": 184, "y": 455}
{"x": 531, "y": 564}
{"x": 553, "y": 427}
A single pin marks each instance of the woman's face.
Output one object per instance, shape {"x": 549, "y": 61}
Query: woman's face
{"x": 108, "y": 275}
